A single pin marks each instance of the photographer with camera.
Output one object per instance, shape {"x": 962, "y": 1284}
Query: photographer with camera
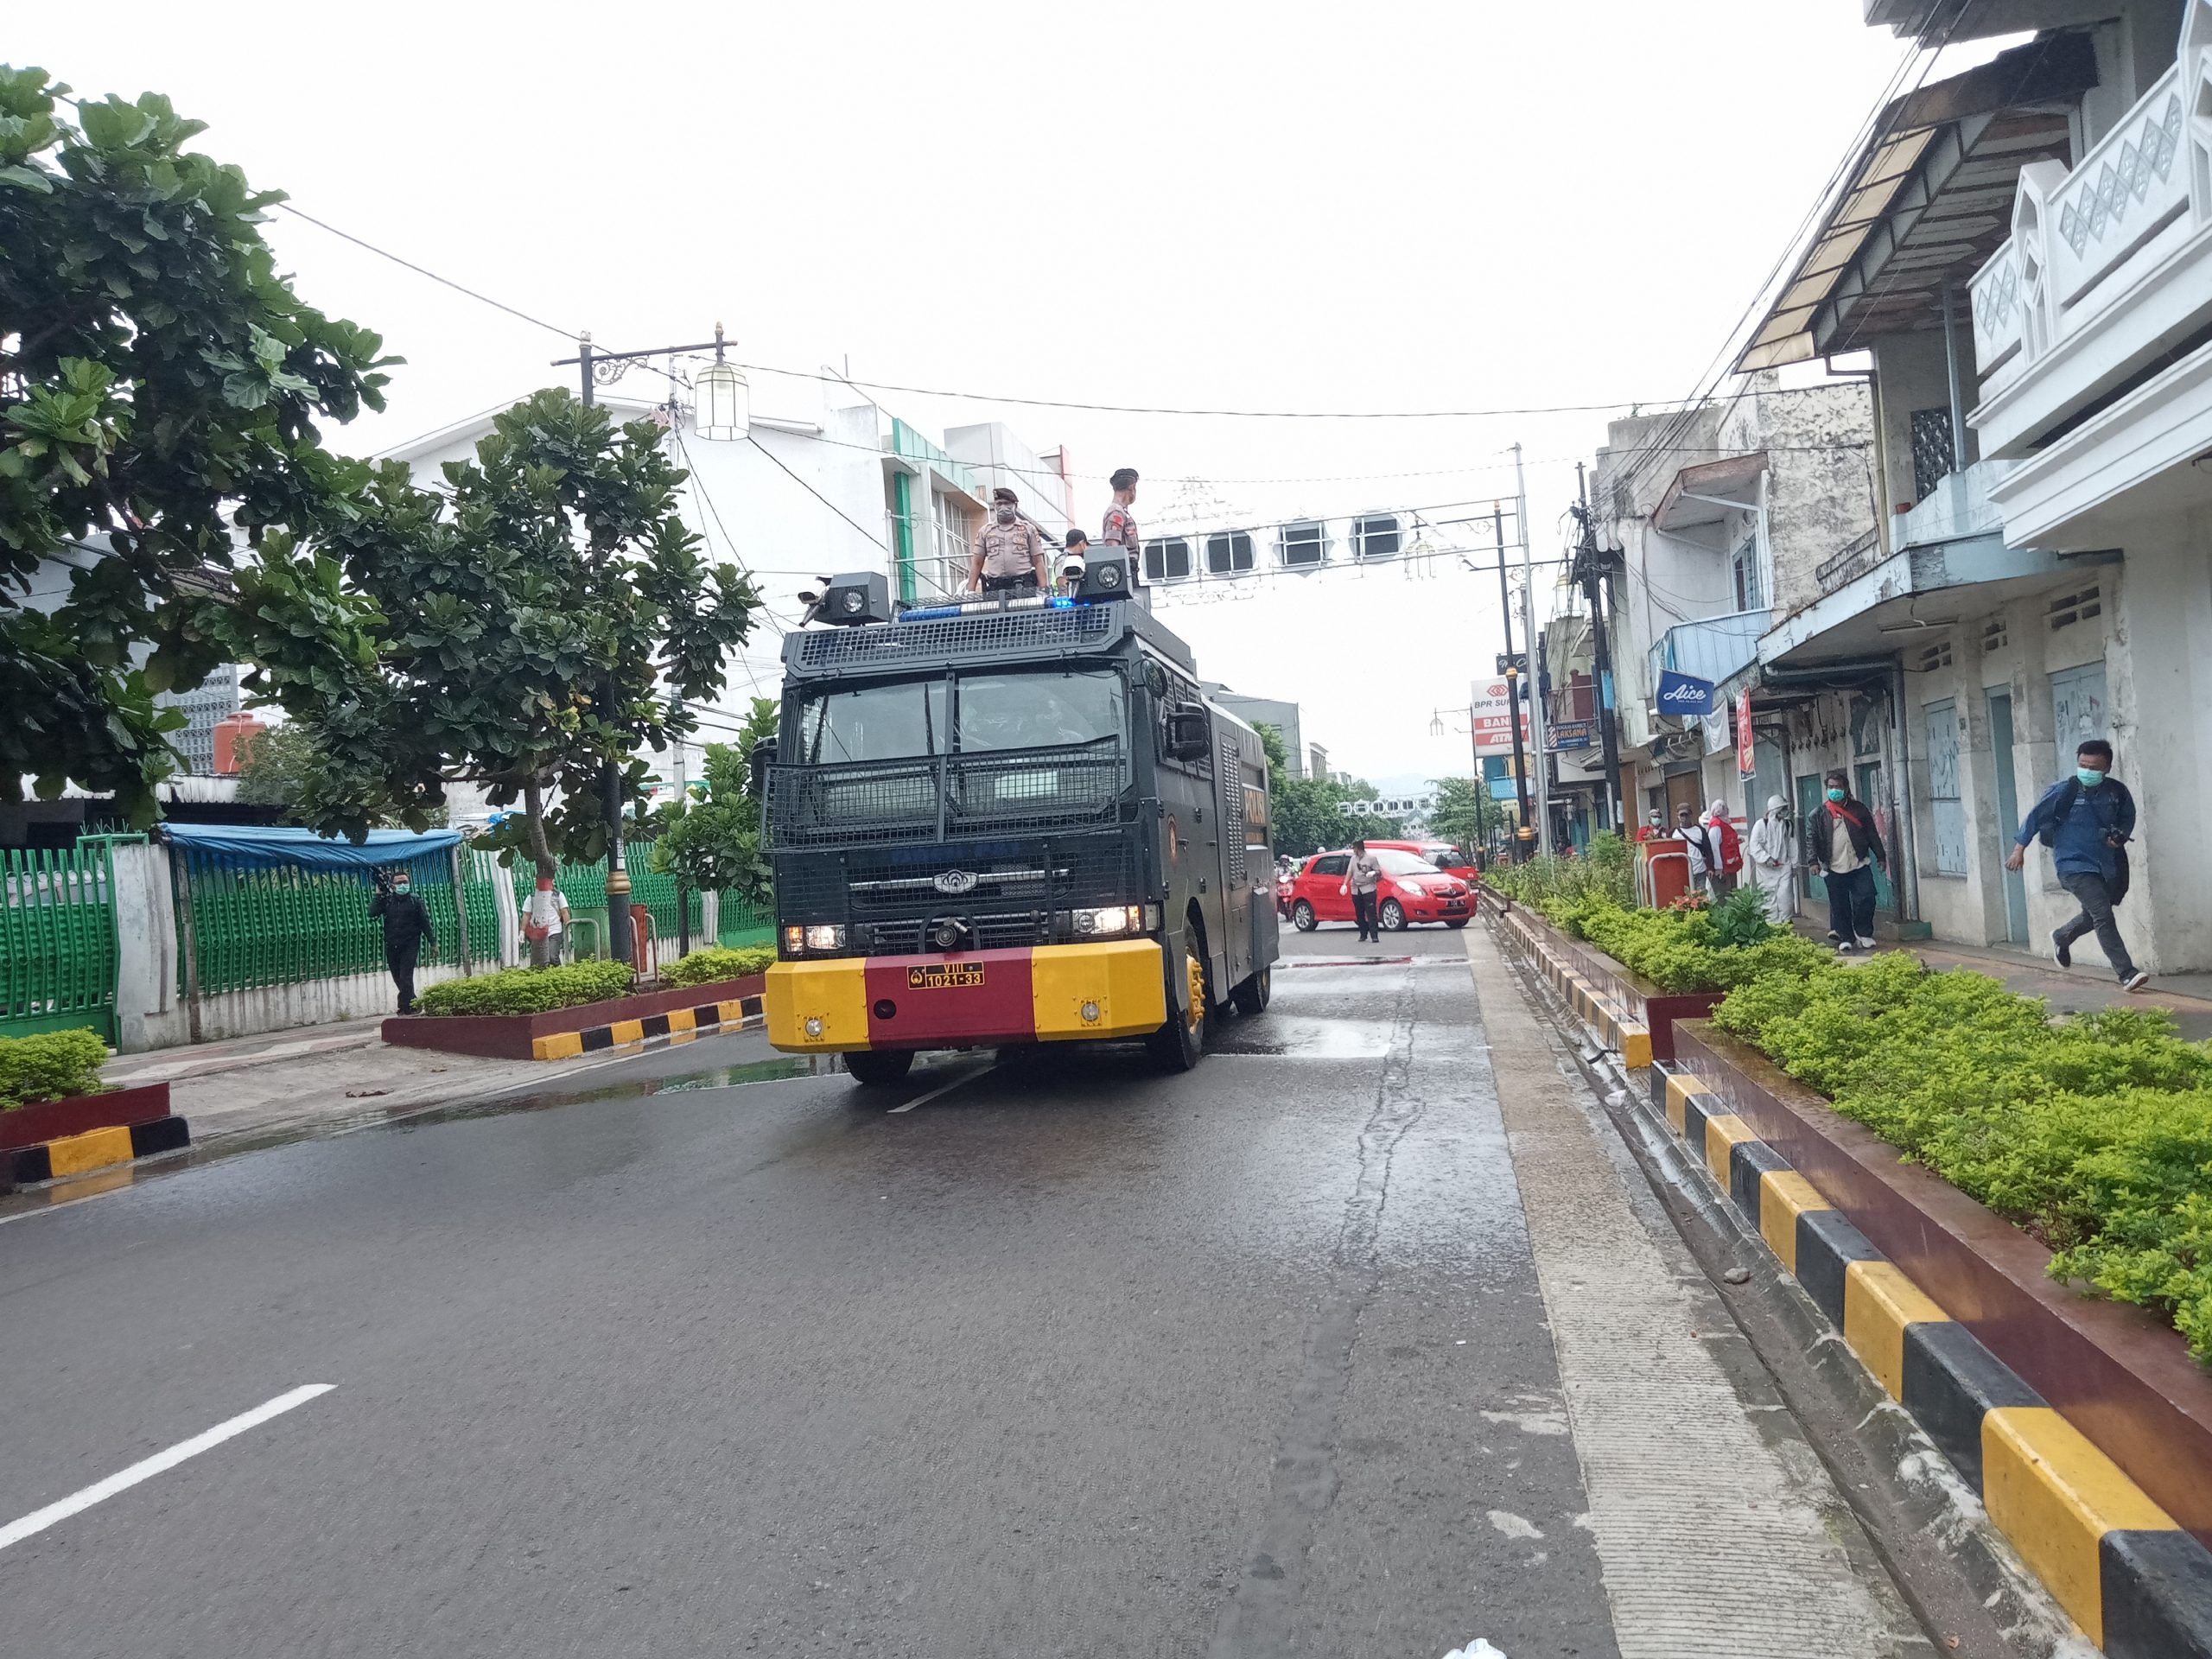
{"x": 2085, "y": 821}
{"x": 406, "y": 925}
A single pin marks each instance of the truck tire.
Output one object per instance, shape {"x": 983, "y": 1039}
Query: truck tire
{"x": 1251, "y": 997}
{"x": 879, "y": 1068}
{"x": 1181, "y": 1043}
{"x": 1302, "y": 917}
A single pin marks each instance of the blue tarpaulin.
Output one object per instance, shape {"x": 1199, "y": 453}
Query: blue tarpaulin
{"x": 253, "y": 847}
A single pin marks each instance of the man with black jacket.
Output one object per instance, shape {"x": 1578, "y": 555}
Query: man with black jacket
{"x": 406, "y": 924}
{"x": 1842, "y": 847}
{"x": 2086, "y": 822}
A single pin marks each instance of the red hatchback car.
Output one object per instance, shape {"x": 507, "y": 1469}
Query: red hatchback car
{"x": 1412, "y": 890}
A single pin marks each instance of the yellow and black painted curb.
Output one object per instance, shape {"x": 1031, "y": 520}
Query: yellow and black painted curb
{"x": 1631, "y": 1041}
{"x": 2130, "y": 1576}
{"x": 77, "y": 1154}
{"x": 677, "y": 1026}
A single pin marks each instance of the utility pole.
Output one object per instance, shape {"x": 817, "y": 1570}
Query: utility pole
{"x": 1593, "y": 584}
{"x": 1537, "y": 720}
{"x": 619, "y": 925}
{"x": 619, "y": 934}
{"x": 1525, "y": 837}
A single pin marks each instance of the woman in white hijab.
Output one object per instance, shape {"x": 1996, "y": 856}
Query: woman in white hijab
{"x": 1774, "y": 857}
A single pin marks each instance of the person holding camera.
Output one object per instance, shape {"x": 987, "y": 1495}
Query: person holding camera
{"x": 406, "y": 925}
{"x": 2085, "y": 821}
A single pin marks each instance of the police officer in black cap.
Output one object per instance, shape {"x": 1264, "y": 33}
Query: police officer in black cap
{"x": 1009, "y": 552}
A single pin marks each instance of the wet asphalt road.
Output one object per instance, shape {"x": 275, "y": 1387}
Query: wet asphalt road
{"x": 1071, "y": 1359}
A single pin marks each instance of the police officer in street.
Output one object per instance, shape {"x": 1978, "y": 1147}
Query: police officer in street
{"x": 1009, "y": 552}
{"x": 406, "y": 925}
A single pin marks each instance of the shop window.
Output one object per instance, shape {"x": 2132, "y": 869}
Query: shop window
{"x": 1943, "y": 792}
{"x": 1168, "y": 559}
{"x": 1304, "y": 546}
{"x": 1375, "y": 539}
{"x": 1229, "y": 553}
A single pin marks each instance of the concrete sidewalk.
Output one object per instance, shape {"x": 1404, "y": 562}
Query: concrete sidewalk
{"x": 2087, "y": 984}
{"x": 319, "y": 1077}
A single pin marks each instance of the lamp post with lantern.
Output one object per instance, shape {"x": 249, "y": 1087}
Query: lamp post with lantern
{"x": 724, "y": 415}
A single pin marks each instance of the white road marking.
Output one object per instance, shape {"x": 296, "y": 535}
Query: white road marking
{"x": 942, "y": 1089}
{"x": 124, "y": 1480}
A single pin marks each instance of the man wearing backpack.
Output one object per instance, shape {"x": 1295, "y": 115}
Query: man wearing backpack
{"x": 2086, "y": 822}
{"x": 1842, "y": 847}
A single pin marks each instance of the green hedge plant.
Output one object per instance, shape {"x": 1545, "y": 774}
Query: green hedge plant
{"x": 2092, "y": 1132}
{"x": 713, "y": 964}
{"x": 49, "y": 1065}
{"x": 528, "y": 990}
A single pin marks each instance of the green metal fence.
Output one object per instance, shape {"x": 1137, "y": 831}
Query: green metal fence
{"x": 658, "y": 894}
{"x": 57, "y": 939}
{"x": 739, "y": 922}
{"x": 249, "y": 928}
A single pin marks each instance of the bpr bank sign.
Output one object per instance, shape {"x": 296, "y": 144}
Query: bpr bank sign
{"x": 1685, "y": 694}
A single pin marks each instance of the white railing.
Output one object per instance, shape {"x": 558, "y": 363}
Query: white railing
{"x": 2142, "y": 190}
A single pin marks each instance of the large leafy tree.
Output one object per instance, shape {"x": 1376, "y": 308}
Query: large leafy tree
{"x": 1465, "y": 814}
{"x": 287, "y": 764}
{"x": 160, "y": 387}
{"x": 715, "y": 842}
{"x": 544, "y": 615}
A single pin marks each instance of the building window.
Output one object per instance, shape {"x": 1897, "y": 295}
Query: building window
{"x": 1932, "y": 458}
{"x": 1744, "y": 571}
{"x": 2077, "y": 708}
{"x": 1375, "y": 539}
{"x": 1936, "y": 657}
{"x": 1994, "y": 636}
{"x": 2068, "y": 608}
{"x": 950, "y": 541}
{"x": 1943, "y": 792}
{"x": 1168, "y": 559}
{"x": 1229, "y": 553}
{"x": 1304, "y": 546}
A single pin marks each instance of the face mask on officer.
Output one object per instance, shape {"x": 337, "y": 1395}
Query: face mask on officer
{"x": 1003, "y": 514}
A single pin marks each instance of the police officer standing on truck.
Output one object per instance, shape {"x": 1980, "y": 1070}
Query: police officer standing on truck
{"x": 1120, "y": 529}
{"x": 1009, "y": 552}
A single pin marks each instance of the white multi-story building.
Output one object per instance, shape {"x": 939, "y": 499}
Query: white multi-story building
{"x": 2018, "y": 264}
{"x": 829, "y": 485}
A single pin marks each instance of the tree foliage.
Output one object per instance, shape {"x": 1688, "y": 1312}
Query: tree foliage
{"x": 548, "y": 614}
{"x": 1306, "y": 819}
{"x": 286, "y": 764}
{"x": 160, "y": 386}
{"x": 1465, "y": 814}
{"x": 715, "y": 844}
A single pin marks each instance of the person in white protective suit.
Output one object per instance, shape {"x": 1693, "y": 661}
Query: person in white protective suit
{"x": 1773, "y": 851}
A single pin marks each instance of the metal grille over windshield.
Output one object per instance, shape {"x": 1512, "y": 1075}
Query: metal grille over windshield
{"x": 922, "y": 799}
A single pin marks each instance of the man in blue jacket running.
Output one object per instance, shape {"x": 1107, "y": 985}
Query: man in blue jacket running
{"x": 2086, "y": 822}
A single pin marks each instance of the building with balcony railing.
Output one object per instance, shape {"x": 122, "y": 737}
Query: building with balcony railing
{"x": 1723, "y": 516}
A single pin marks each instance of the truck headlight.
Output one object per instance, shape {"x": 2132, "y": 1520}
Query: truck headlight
{"x": 794, "y": 941}
{"x": 1113, "y": 919}
{"x": 825, "y": 939}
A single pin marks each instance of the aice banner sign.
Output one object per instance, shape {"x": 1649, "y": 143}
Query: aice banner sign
{"x": 1685, "y": 694}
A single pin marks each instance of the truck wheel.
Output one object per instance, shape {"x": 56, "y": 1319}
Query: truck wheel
{"x": 1251, "y": 997}
{"x": 879, "y": 1068}
{"x": 1393, "y": 916}
{"x": 1181, "y": 1043}
{"x": 1302, "y": 917}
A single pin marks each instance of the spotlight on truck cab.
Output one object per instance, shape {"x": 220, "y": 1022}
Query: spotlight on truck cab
{"x": 1105, "y": 575}
{"x": 850, "y": 601}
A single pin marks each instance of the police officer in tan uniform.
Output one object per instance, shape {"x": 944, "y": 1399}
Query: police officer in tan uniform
{"x": 1120, "y": 527}
{"x": 1009, "y": 552}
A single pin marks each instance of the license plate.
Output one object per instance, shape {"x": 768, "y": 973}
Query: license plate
{"x": 948, "y": 976}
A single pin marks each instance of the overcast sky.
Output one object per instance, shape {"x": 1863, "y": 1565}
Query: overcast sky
{"x": 1402, "y": 206}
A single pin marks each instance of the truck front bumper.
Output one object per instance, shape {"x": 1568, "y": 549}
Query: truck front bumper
{"x": 1041, "y": 994}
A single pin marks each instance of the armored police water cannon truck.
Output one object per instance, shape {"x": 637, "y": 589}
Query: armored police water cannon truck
{"x": 1009, "y": 821}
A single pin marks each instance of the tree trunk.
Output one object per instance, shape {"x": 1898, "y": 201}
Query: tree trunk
{"x": 533, "y": 806}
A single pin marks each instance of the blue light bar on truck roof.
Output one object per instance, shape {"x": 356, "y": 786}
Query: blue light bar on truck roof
{"x": 978, "y": 606}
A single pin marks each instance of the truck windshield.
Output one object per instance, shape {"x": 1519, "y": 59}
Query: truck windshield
{"x": 1037, "y": 711}
{"x": 874, "y": 722}
{"x": 994, "y": 711}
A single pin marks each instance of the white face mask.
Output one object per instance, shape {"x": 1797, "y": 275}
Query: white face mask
{"x": 1005, "y": 515}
